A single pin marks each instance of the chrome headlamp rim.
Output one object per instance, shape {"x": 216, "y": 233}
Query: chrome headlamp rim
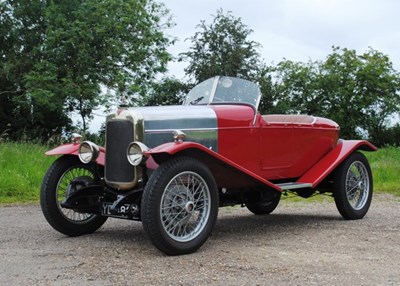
{"x": 135, "y": 153}
{"x": 88, "y": 152}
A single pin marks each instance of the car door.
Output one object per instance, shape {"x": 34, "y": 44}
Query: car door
{"x": 277, "y": 144}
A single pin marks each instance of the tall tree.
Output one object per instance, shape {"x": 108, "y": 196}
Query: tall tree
{"x": 168, "y": 91}
{"x": 297, "y": 84}
{"x": 271, "y": 93}
{"x": 363, "y": 90}
{"x": 222, "y": 48}
{"x": 79, "y": 48}
{"x": 360, "y": 92}
{"x": 22, "y": 30}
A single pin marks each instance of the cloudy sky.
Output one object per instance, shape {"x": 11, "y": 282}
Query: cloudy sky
{"x": 297, "y": 30}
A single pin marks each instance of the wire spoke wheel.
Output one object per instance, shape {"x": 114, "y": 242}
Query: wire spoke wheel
{"x": 180, "y": 205}
{"x": 357, "y": 185}
{"x": 65, "y": 189}
{"x": 65, "y": 176}
{"x": 185, "y": 206}
{"x": 353, "y": 186}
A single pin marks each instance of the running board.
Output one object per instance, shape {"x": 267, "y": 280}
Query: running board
{"x": 294, "y": 186}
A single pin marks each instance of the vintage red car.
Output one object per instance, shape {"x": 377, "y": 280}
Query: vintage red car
{"x": 172, "y": 167}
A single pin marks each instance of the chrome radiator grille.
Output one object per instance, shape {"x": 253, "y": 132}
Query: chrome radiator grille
{"x": 119, "y": 133}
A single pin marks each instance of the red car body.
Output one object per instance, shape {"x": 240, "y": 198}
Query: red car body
{"x": 305, "y": 149}
{"x": 175, "y": 165}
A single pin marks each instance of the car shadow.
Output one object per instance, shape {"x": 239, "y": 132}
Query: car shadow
{"x": 273, "y": 224}
{"x": 236, "y": 226}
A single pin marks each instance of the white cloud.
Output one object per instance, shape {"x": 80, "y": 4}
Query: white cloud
{"x": 299, "y": 30}
{"x": 296, "y": 30}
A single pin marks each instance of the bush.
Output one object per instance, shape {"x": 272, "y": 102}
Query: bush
{"x": 387, "y": 137}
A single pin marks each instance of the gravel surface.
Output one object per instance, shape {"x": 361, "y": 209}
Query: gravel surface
{"x": 299, "y": 244}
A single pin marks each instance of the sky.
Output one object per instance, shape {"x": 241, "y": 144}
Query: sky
{"x": 297, "y": 30}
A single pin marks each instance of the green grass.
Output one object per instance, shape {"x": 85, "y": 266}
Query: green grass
{"x": 385, "y": 165}
{"x": 23, "y": 165}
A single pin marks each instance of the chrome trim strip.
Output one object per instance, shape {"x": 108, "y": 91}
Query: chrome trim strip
{"x": 294, "y": 185}
{"x": 182, "y": 129}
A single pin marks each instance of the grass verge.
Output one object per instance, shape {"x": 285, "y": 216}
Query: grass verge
{"x": 385, "y": 165}
{"x": 23, "y": 165}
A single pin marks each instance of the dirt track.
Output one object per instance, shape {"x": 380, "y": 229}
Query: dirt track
{"x": 300, "y": 244}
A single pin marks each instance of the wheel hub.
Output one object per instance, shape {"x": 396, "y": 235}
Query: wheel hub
{"x": 189, "y": 207}
{"x": 78, "y": 183}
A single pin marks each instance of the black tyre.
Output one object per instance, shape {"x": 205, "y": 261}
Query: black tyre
{"x": 180, "y": 206}
{"x": 353, "y": 187}
{"x": 55, "y": 188}
{"x": 267, "y": 205}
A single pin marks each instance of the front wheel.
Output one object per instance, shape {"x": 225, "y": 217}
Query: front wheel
{"x": 353, "y": 187}
{"x": 56, "y": 186}
{"x": 180, "y": 206}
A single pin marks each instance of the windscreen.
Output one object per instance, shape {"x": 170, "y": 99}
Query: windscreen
{"x": 219, "y": 90}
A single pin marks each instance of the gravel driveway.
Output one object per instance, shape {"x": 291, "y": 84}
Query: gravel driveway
{"x": 299, "y": 244}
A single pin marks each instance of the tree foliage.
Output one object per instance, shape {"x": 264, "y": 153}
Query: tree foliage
{"x": 58, "y": 55}
{"x": 222, "y": 48}
{"x": 22, "y": 31}
{"x": 168, "y": 91}
{"x": 360, "y": 92}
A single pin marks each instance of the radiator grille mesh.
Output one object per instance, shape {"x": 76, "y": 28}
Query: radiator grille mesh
{"x": 119, "y": 133}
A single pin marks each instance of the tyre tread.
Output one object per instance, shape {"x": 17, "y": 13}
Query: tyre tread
{"x": 49, "y": 205}
{"x": 340, "y": 196}
{"x": 151, "y": 200}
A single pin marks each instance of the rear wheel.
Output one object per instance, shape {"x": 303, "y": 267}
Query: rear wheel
{"x": 56, "y": 186}
{"x": 353, "y": 187}
{"x": 180, "y": 206}
{"x": 267, "y": 205}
